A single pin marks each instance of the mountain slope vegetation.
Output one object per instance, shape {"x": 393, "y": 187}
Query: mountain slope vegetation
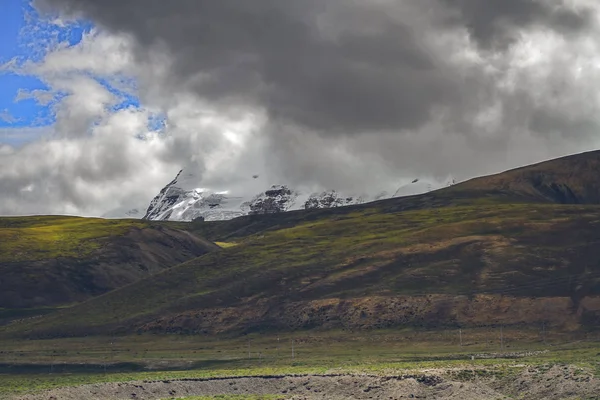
{"x": 567, "y": 180}
{"x": 47, "y": 261}
{"x": 494, "y": 250}
{"x": 372, "y": 270}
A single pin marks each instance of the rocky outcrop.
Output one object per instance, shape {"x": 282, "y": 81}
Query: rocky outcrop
{"x": 278, "y": 198}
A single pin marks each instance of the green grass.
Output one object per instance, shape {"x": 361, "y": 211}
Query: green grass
{"x": 391, "y": 352}
{"x": 226, "y": 245}
{"x": 48, "y": 237}
{"x": 364, "y": 253}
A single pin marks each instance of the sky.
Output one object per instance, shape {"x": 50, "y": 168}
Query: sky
{"x": 102, "y": 102}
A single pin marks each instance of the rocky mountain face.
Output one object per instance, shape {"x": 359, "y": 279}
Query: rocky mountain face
{"x": 330, "y": 199}
{"x": 278, "y": 198}
{"x": 180, "y": 200}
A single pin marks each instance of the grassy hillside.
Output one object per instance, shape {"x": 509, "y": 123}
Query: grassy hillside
{"x": 518, "y": 248}
{"x": 37, "y": 238}
{"x": 566, "y": 180}
{"x": 460, "y": 265}
{"x": 47, "y": 261}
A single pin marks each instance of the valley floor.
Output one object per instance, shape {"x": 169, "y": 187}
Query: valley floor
{"x": 470, "y": 364}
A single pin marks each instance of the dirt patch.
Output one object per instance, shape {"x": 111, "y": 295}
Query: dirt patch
{"x": 296, "y": 387}
{"x": 380, "y": 312}
{"x": 555, "y": 382}
{"x": 533, "y": 383}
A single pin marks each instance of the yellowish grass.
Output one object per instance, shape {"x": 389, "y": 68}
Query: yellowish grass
{"x": 47, "y": 237}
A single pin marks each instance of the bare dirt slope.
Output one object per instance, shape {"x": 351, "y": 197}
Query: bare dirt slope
{"x": 532, "y": 383}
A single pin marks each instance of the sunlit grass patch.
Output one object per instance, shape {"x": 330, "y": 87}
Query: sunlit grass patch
{"x": 48, "y": 237}
{"x": 226, "y": 245}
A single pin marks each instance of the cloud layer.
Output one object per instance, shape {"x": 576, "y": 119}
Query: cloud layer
{"x": 336, "y": 93}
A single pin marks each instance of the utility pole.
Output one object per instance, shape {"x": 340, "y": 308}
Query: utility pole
{"x": 501, "y": 339}
{"x": 544, "y": 331}
{"x": 293, "y": 355}
{"x": 248, "y": 349}
{"x": 112, "y": 355}
{"x": 460, "y": 336}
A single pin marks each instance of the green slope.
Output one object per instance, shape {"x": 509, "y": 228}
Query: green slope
{"x": 567, "y": 180}
{"x": 36, "y": 238}
{"x": 49, "y": 261}
{"x": 334, "y": 272}
{"x": 517, "y": 248}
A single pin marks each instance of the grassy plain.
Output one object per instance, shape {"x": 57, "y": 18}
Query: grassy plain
{"x": 30, "y": 366}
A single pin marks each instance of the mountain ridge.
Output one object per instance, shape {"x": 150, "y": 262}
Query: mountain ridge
{"x": 514, "y": 256}
{"x": 566, "y": 180}
{"x": 182, "y": 200}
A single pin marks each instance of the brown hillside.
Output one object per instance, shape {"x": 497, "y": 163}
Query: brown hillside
{"x": 515, "y": 264}
{"x": 515, "y": 248}
{"x": 50, "y": 261}
{"x": 568, "y": 180}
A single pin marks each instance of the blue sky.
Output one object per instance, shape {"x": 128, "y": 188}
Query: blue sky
{"x": 26, "y": 36}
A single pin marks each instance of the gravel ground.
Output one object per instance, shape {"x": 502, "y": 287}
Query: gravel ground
{"x": 552, "y": 383}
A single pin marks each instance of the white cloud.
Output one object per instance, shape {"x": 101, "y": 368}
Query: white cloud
{"x": 41, "y": 97}
{"x": 98, "y": 53}
{"x": 14, "y": 136}
{"x": 6, "y": 116}
{"x": 99, "y": 156}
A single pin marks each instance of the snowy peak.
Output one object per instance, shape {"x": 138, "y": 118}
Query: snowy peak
{"x": 278, "y": 198}
{"x": 181, "y": 201}
{"x": 161, "y": 206}
{"x": 329, "y": 199}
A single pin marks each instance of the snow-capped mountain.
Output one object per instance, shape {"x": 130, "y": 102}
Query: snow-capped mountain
{"x": 176, "y": 203}
{"x": 180, "y": 200}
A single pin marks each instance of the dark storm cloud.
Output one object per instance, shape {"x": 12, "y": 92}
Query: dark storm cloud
{"x": 401, "y": 72}
{"x": 365, "y": 71}
{"x": 332, "y": 66}
{"x": 496, "y": 23}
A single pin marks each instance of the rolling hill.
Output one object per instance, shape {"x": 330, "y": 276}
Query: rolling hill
{"x": 493, "y": 250}
{"x": 502, "y": 249}
{"x": 50, "y": 261}
{"x": 567, "y": 180}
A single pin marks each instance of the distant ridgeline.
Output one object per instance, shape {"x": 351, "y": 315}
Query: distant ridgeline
{"x": 518, "y": 250}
